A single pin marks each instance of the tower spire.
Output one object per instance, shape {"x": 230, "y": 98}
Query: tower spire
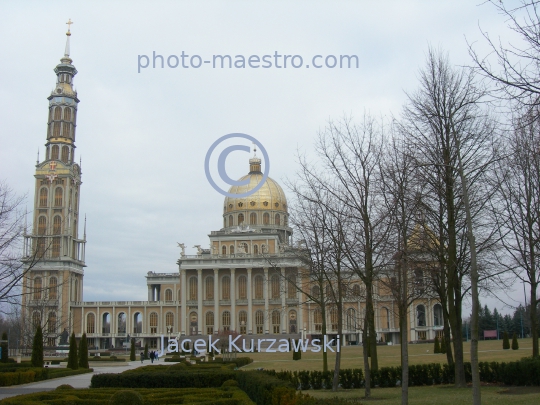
{"x": 66, "y": 58}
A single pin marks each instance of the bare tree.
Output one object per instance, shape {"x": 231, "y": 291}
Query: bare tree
{"x": 514, "y": 69}
{"x": 444, "y": 122}
{"x": 517, "y": 209}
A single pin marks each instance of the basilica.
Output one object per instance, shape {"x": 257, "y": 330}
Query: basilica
{"x": 231, "y": 287}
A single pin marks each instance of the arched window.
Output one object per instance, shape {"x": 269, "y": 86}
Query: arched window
{"x": 437, "y": 315}
{"x": 385, "y": 318}
{"x": 278, "y": 219}
{"x": 291, "y": 288}
{"x": 51, "y": 110}
{"x": 242, "y": 320}
{"x": 266, "y": 218}
{"x": 255, "y": 249}
{"x": 242, "y": 288}
{"x": 51, "y": 322}
{"x": 38, "y": 287}
{"x": 231, "y": 250}
{"x": 53, "y": 288}
{"x": 42, "y": 225}
{"x": 58, "y": 193}
{"x": 292, "y": 322}
{"x": 76, "y": 295}
{"x": 90, "y": 323}
{"x": 223, "y": 250}
{"x": 55, "y": 247}
{"x": 168, "y": 294}
{"x": 231, "y": 223}
{"x": 36, "y": 319}
{"x": 253, "y": 219}
{"x": 317, "y": 320}
{"x": 193, "y": 288}
{"x": 153, "y": 322}
{"x": 57, "y": 225}
{"x": 356, "y": 291}
{"x": 285, "y": 220}
{"x": 57, "y": 113}
{"x": 240, "y": 219}
{"x": 276, "y": 321}
{"x": 67, "y": 114}
{"x": 329, "y": 292}
{"x": 76, "y": 202}
{"x": 137, "y": 322}
{"x": 106, "y": 325}
{"x": 122, "y": 323}
{"x": 334, "y": 319}
{"x": 351, "y": 319}
{"x": 226, "y": 320}
{"x": 65, "y": 154}
{"x": 43, "y": 194}
{"x": 209, "y": 322}
{"x": 226, "y": 288}
{"x": 209, "y": 287}
{"x": 169, "y": 322}
{"x": 316, "y": 292}
{"x": 55, "y": 150}
{"x": 274, "y": 283}
{"x": 259, "y": 285}
{"x": 420, "y": 315}
{"x": 259, "y": 322}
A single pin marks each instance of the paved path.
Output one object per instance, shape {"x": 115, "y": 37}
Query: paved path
{"x": 76, "y": 381}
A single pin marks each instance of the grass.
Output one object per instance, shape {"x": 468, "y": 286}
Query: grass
{"x": 438, "y": 395}
{"x": 351, "y": 356}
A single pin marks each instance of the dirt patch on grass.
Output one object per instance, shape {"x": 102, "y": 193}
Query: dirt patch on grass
{"x": 520, "y": 390}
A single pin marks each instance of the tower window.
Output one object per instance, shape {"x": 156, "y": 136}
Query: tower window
{"x": 252, "y": 218}
{"x": 169, "y": 321}
{"x": 209, "y": 287}
{"x": 43, "y": 193}
{"x": 56, "y": 130}
{"x": 255, "y": 249}
{"x": 66, "y": 130}
{"x": 240, "y": 204}
{"x": 57, "y": 225}
{"x": 278, "y": 219}
{"x": 76, "y": 202}
{"x": 56, "y": 247}
{"x": 42, "y": 225}
{"x": 259, "y": 283}
{"x": 65, "y": 154}
{"x": 266, "y": 218}
{"x": 55, "y": 150}
{"x": 58, "y": 197}
{"x": 275, "y": 286}
{"x": 37, "y": 288}
{"x": 224, "y": 250}
{"x": 193, "y": 288}
{"x": 57, "y": 113}
{"x": 67, "y": 114}
{"x": 168, "y": 294}
{"x": 53, "y": 288}
{"x": 242, "y": 288}
{"x": 240, "y": 219}
{"x": 230, "y": 220}
{"x": 231, "y": 250}
{"x": 153, "y": 322}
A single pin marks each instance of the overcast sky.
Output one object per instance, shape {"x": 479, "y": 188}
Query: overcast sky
{"x": 143, "y": 136}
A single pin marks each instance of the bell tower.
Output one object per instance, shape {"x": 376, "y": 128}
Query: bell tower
{"x": 53, "y": 250}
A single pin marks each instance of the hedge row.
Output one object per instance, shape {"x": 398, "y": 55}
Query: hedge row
{"x": 265, "y": 389}
{"x": 521, "y": 373}
{"x": 214, "y": 396}
{"x": 164, "y": 379}
{"x": 28, "y": 375}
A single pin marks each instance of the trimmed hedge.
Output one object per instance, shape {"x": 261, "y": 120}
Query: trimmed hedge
{"x": 520, "y": 373}
{"x": 208, "y": 396}
{"x": 262, "y": 388}
{"x": 28, "y": 375}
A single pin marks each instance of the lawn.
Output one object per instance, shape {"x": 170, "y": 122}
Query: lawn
{"x": 439, "y": 395}
{"x": 351, "y": 356}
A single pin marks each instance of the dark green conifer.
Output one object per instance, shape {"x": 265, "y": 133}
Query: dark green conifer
{"x": 37, "y": 348}
{"x": 83, "y": 352}
{"x": 73, "y": 361}
{"x": 506, "y": 341}
{"x": 515, "y": 344}
{"x": 132, "y": 356}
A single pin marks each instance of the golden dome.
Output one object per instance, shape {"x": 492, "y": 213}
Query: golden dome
{"x": 269, "y": 197}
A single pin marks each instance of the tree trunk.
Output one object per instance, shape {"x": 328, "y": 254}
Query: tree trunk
{"x": 446, "y": 331}
{"x": 534, "y": 319}
{"x": 404, "y": 356}
{"x": 367, "y": 371}
{"x": 323, "y": 330}
{"x": 370, "y": 325}
{"x": 335, "y": 382}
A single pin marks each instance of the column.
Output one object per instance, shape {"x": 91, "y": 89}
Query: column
{"x": 266, "y": 304}
{"x": 250, "y": 303}
{"x": 233, "y": 300}
{"x": 150, "y": 293}
{"x": 183, "y": 295}
{"x": 216, "y": 301}
{"x": 199, "y": 301}
{"x": 283, "y": 303}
